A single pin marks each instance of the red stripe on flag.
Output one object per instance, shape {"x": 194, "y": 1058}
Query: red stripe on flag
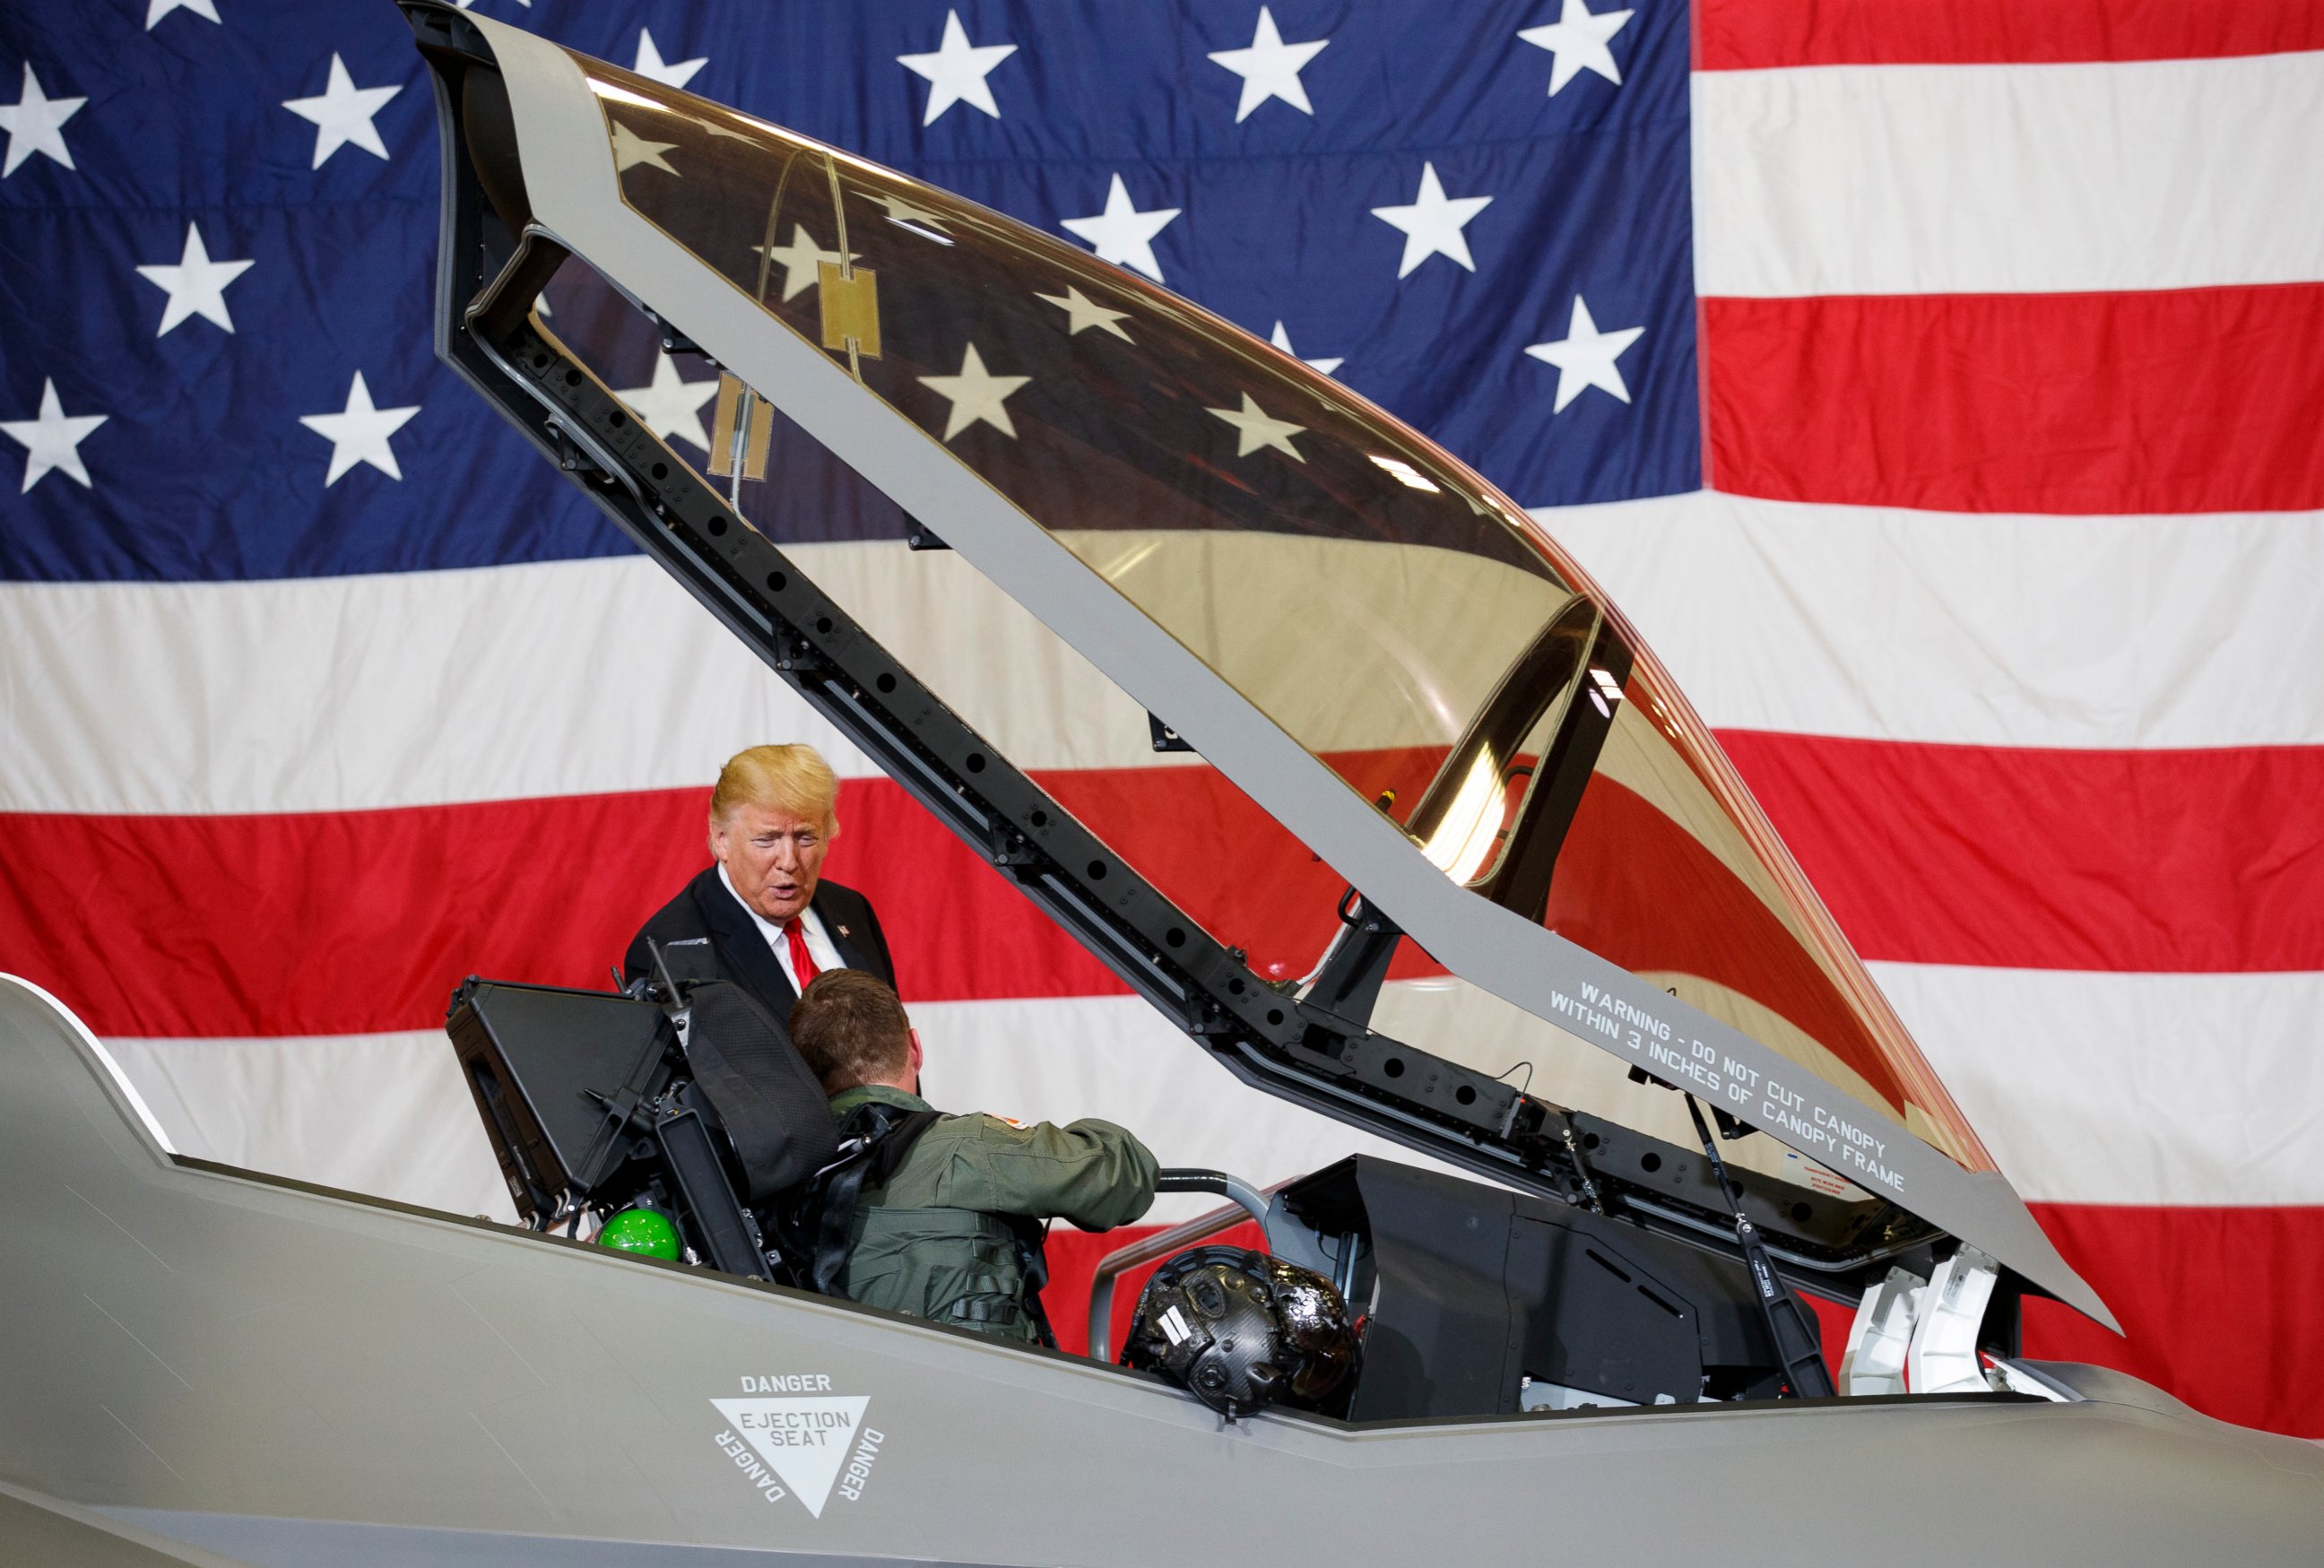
{"x": 2159, "y": 862}
{"x": 1756, "y": 34}
{"x": 357, "y": 922}
{"x": 337, "y": 923}
{"x": 2217, "y": 1305}
{"x": 2199, "y": 399}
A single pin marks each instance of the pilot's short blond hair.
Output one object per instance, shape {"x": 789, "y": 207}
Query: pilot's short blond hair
{"x": 793, "y": 779}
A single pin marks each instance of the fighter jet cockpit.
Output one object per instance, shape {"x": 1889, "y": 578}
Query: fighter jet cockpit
{"x": 1485, "y": 886}
{"x": 1558, "y": 1148}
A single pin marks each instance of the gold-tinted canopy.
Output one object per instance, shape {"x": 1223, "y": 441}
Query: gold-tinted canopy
{"x": 1380, "y": 603}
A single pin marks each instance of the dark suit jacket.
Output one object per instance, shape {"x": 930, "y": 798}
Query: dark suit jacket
{"x": 705, "y": 908}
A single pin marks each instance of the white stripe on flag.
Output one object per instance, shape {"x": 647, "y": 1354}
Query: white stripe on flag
{"x": 2088, "y": 1088}
{"x": 385, "y": 1115}
{"x": 2116, "y": 632}
{"x": 569, "y": 677}
{"x": 590, "y": 677}
{"x": 2010, "y": 179}
{"x": 388, "y": 1115}
{"x": 2130, "y": 1088}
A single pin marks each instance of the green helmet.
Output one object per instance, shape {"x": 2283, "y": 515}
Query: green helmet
{"x": 646, "y": 1231}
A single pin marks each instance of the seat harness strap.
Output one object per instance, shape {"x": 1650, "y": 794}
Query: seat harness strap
{"x": 873, "y": 1142}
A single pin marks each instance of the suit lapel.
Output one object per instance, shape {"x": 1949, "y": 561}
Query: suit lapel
{"x": 842, "y": 922}
{"x": 738, "y": 941}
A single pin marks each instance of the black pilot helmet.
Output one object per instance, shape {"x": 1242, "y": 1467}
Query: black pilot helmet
{"x": 1241, "y": 1330}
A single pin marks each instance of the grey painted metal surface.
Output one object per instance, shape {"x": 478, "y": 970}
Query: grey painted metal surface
{"x": 219, "y": 1356}
{"x": 270, "y": 1542}
{"x": 46, "y": 1531}
{"x": 574, "y": 190}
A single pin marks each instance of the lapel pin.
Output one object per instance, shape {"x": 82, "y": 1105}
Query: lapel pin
{"x": 843, "y": 931}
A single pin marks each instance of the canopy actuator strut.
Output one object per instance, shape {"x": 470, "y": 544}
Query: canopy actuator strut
{"x": 1347, "y": 983}
{"x": 1797, "y": 1344}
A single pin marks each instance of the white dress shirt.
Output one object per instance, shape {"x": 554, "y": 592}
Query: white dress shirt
{"x": 819, "y": 941}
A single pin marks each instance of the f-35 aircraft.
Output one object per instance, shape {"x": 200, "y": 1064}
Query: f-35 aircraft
{"x": 1545, "y": 939}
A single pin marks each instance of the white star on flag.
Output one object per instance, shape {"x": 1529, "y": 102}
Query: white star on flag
{"x": 1254, "y": 429}
{"x": 52, "y": 441}
{"x": 1432, "y": 223}
{"x": 906, "y": 215}
{"x": 669, "y": 407}
{"x": 631, "y": 150}
{"x": 957, "y": 69}
{"x": 342, "y": 114}
{"x": 1122, "y": 234}
{"x": 35, "y": 123}
{"x": 1586, "y": 357}
{"x": 801, "y": 262}
{"x": 1082, "y": 312}
{"x": 975, "y": 393}
{"x": 359, "y": 432}
{"x": 157, "y": 9}
{"x": 1271, "y": 68}
{"x": 1282, "y": 340}
{"x": 195, "y": 283}
{"x": 1577, "y": 40}
{"x": 670, "y": 73}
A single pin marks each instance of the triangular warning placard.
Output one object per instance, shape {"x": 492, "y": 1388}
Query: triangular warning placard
{"x": 804, "y": 1441}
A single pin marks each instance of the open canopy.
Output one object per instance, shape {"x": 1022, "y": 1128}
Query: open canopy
{"x": 1392, "y": 659}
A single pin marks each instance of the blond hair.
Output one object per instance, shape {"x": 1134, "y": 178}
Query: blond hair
{"x": 793, "y": 779}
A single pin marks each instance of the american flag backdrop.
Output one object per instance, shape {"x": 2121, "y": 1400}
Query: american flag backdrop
{"x": 1935, "y": 383}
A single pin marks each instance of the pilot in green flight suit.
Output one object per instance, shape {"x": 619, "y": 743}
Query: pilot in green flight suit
{"x": 948, "y": 1235}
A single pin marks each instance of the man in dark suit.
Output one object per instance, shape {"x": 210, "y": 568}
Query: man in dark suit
{"x": 772, "y": 921}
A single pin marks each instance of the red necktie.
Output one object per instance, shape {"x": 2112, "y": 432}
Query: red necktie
{"x": 802, "y": 961}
